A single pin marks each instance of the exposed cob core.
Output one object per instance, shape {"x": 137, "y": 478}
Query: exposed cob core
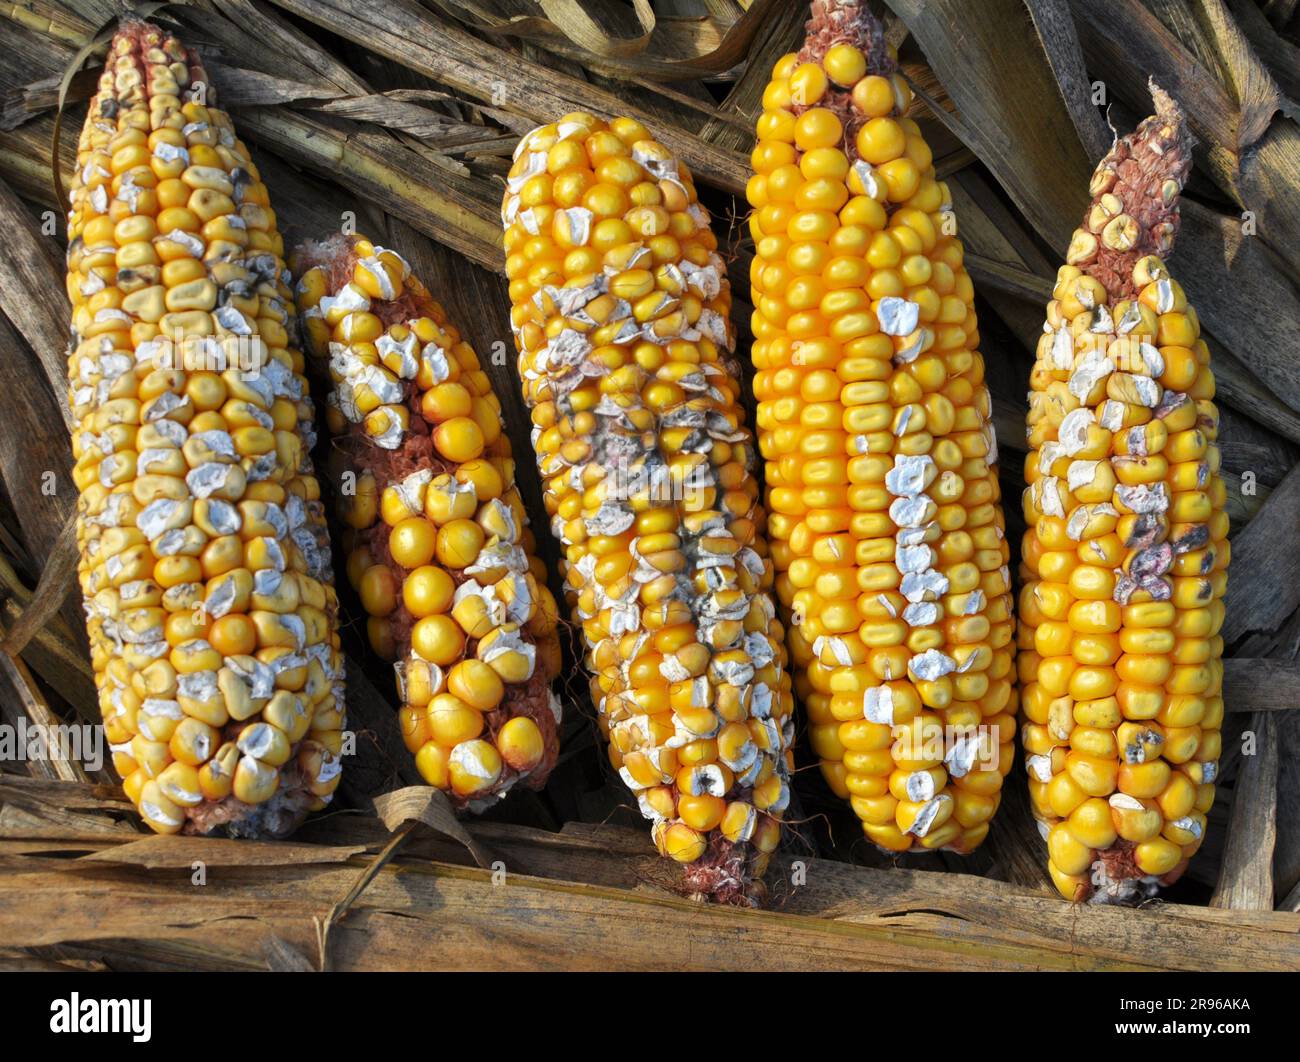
{"x": 441, "y": 553}
{"x": 620, "y": 318}
{"x": 1126, "y": 553}
{"x": 204, "y": 561}
{"x": 873, "y": 418}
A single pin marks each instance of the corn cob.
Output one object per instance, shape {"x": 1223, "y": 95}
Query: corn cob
{"x": 203, "y": 558}
{"x": 883, "y": 496}
{"x": 620, "y": 317}
{"x": 1125, "y": 557}
{"x": 441, "y": 554}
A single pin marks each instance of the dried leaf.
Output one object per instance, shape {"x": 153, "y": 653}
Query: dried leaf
{"x": 383, "y": 170}
{"x": 241, "y": 87}
{"x": 57, "y": 581}
{"x": 1020, "y": 129}
{"x": 52, "y": 19}
{"x": 1281, "y": 55}
{"x": 429, "y": 806}
{"x": 410, "y": 35}
{"x": 181, "y": 853}
{"x": 1254, "y": 604}
{"x": 1137, "y": 47}
{"x": 1229, "y": 277}
{"x": 1246, "y": 874}
{"x": 1061, "y": 44}
{"x": 32, "y": 294}
{"x": 283, "y": 957}
{"x": 1256, "y": 684}
{"x": 35, "y": 462}
{"x": 666, "y": 50}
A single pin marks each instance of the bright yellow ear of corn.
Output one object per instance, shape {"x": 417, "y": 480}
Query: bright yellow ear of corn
{"x": 620, "y": 317}
{"x": 1126, "y": 553}
{"x": 873, "y": 419}
{"x": 204, "y": 562}
{"x": 441, "y": 556}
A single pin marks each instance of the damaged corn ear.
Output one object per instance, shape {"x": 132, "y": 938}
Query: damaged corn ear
{"x": 620, "y": 305}
{"x": 1125, "y": 558}
{"x": 441, "y": 556}
{"x": 204, "y": 560}
{"x": 873, "y": 418}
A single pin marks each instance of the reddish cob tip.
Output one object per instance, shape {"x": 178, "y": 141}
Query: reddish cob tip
{"x": 1135, "y": 194}
{"x": 835, "y": 22}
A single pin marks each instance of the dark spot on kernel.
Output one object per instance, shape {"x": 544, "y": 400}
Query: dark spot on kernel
{"x": 1196, "y": 538}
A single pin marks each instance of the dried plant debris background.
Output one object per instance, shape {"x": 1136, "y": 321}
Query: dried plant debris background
{"x": 397, "y": 118}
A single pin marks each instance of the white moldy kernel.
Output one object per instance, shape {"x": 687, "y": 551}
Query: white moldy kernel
{"x": 1111, "y": 415}
{"x": 910, "y": 475}
{"x": 931, "y": 665}
{"x": 578, "y": 223}
{"x": 926, "y": 816}
{"x": 1143, "y": 498}
{"x": 919, "y": 786}
{"x": 1073, "y": 430}
{"x": 1081, "y": 474}
{"x": 878, "y": 705}
{"x": 910, "y": 512}
{"x": 913, "y": 559}
{"x": 1048, "y": 454}
{"x": 534, "y": 165}
{"x": 897, "y": 316}
{"x": 1062, "y": 352}
{"x": 867, "y": 175}
{"x": 170, "y": 152}
{"x": 1131, "y": 319}
{"x": 705, "y": 780}
{"x": 190, "y": 243}
{"x": 921, "y": 614}
{"x": 466, "y": 757}
{"x": 1102, "y": 323}
{"x": 411, "y": 490}
{"x": 909, "y": 348}
{"x": 1049, "y": 496}
{"x": 1152, "y": 360}
{"x": 1040, "y": 767}
{"x": 924, "y": 586}
{"x": 153, "y": 811}
{"x": 1091, "y": 368}
{"x": 401, "y": 351}
{"x": 1143, "y": 390}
